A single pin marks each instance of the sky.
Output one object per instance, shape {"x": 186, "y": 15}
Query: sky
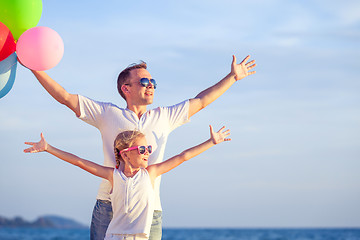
{"x": 294, "y": 158}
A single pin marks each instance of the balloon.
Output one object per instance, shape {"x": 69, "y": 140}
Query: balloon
{"x": 40, "y": 48}
{"x": 20, "y": 15}
{"x": 7, "y": 74}
{"x": 7, "y": 42}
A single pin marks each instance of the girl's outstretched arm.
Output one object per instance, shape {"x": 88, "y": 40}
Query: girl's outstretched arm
{"x": 215, "y": 138}
{"x": 91, "y": 167}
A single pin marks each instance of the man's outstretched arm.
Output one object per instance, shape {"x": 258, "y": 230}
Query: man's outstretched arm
{"x": 238, "y": 72}
{"x": 58, "y": 92}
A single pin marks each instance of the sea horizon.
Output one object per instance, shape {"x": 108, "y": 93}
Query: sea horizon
{"x": 176, "y": 233}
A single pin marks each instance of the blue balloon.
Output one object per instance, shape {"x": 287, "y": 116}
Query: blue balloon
{"x": 7, "y": 74}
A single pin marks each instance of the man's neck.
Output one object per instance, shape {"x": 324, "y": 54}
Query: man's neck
{"x": 139, "y": 110}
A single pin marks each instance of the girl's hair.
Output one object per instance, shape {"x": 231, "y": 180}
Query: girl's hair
{"x": 124, "y": 140}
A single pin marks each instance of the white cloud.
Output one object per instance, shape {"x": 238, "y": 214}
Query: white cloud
{"x": 346, "y": 13}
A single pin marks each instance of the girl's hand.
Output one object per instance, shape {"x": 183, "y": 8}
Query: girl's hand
{"x": 38, "y": 146}
{"x": 219, "y": 136}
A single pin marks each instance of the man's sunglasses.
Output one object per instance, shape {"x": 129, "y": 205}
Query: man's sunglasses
{"x": 141, "y": 149}
{"x": 145, "y": 82}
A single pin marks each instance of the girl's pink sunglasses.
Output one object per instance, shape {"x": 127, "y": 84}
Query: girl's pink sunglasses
{"x": 141, "y": 149}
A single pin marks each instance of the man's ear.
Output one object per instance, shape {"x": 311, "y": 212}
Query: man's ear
{"x": 125, "y": 89}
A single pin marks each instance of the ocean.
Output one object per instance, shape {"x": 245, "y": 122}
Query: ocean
{"x": 194, "y": 234}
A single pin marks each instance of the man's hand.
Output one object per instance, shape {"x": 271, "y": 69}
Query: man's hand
{"x": 243, "y": 69}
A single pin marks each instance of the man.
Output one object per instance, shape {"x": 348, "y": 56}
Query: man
{"x": 137, "y": 87}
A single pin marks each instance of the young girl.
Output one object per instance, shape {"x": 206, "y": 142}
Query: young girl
{"x": 132, "y": 180}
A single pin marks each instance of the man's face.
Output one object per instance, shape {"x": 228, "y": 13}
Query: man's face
{"x": 138, "y": 94}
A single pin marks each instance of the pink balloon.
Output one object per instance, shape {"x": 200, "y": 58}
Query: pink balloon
{"x": 40, "y": 48}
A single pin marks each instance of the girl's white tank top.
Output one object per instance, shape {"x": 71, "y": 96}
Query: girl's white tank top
{"x": 132, "y": 202}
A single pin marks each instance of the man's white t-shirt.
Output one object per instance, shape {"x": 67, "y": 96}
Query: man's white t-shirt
{"x": 156, "y": 124}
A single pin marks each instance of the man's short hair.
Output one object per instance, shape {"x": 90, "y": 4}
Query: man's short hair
{"x": 124, "y": 75}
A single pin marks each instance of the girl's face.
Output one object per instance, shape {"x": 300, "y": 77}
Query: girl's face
{"x": 137, "y": 160}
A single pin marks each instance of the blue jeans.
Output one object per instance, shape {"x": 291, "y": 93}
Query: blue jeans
{"x": 102, "y": 215}
{"x": 156, "y": 226}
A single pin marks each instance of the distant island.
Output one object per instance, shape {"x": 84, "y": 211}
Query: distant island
{"x": 49, "y": 221}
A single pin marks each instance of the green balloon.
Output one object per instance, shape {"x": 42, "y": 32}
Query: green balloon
{"x": 20, "y": 15}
